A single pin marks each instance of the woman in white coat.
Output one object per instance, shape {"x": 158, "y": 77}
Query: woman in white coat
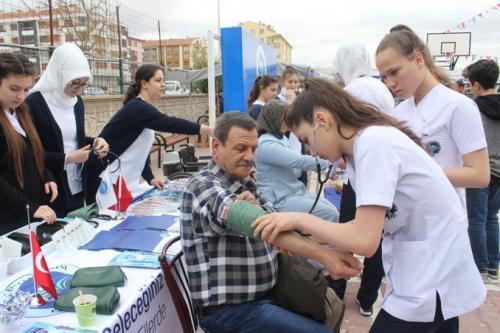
{"x": 353, "y": 64}
{"x": 430, "y": 272}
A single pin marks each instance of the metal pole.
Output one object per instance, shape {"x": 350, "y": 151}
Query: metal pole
{"x": 120, "y": 60}
{"x": 211, "y": 78}
{"x": 159, "y": 43}
{"x": 51, "y": 27}
{"x": 218, "y": 17}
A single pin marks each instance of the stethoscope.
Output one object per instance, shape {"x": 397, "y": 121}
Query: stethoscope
{"x": 322, "y": 181}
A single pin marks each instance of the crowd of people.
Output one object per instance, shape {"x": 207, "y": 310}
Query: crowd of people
{"x": 419, "y": 201}
{"x": 47, "y": 162}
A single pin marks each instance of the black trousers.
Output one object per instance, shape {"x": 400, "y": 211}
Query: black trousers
{"x": 386, "y": 323}
{"x": 373, "y": 270}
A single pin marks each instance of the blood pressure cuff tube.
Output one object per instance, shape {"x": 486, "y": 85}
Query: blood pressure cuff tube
{"x": 240, "y": 216}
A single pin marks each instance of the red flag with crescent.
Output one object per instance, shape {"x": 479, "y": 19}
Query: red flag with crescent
{"x": 41, "y": 273}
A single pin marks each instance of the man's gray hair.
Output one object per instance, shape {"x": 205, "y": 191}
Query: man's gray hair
{"x": 229, "y": 120}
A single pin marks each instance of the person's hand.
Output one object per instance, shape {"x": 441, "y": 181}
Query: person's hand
{"x": 247, "y": 196}
{"x": 157, "y": 183}
{"x": 101, "y": 147}
{"x": 267, "y": 227}
{"x": 206, "y": 130}
{"x": 290, "y": 96}
{"x": 282, "y": 250}
{"x": 78, "y": 156}
{"x": 45, "y": 213}
{"x": 51, "y": 187}
{"x": 341, "y": 265}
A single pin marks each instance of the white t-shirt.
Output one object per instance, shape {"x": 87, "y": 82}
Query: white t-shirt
{"x": 449, "y": 124}
{"x": 425, "y": 245}
{"x": 65, "y": 119}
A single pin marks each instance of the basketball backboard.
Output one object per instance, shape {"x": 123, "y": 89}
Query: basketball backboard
{"x": 453, "y": 43}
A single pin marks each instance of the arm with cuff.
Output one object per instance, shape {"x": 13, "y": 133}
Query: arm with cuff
{"x": 240, "y": 216}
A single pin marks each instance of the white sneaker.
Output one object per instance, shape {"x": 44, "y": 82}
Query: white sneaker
{"x": 364, "y": 312}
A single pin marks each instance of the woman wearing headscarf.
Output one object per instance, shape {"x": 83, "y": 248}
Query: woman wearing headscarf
{"x": 59, "y": 116}
{"x": 353, "y": 64}
{"x": 279, "y": 166}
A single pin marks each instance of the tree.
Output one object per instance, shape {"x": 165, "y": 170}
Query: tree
{"x": 83, "y": 21}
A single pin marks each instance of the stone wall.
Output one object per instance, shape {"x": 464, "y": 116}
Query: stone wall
{"x": 99, "y": 109}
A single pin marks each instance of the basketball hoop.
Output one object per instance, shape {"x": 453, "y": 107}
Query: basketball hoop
{"x": 449, "y": 55}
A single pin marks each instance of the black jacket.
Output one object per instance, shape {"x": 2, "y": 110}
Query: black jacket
{"x": 13, "y": 198}
{"x": 51, "y": 137}
{"x": 124, "y": 128}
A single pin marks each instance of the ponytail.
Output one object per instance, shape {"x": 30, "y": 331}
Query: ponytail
{"x": 133, "y": 90}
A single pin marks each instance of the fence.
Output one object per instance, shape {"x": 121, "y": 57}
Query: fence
{"x": 115, "y": 38}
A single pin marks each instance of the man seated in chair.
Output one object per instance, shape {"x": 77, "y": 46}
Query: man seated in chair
{"x": 232, "y": 274}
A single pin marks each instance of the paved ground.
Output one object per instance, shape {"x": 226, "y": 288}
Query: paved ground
{"x": 486, "y": 319}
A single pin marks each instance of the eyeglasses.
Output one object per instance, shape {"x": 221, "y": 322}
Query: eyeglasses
{"x": 78, "y": 83}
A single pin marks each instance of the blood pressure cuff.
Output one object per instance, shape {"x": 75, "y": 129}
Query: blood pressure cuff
{"x": 107, "y": 298}
{"x": 241, "y": 215}
{"x": 86, "y": 212}
{"x": 98, "y": 277}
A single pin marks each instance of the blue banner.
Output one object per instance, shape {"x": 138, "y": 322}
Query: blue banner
{"x": 244, "y": 57}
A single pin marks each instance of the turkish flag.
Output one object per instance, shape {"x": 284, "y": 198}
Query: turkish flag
{"x": 41, "y": 273}
{"x": 123, "y": 195}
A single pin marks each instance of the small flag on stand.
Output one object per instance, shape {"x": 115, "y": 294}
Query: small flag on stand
{"x": 41, "y": 274}
{"x": 105, "y": 196}
{"x": 123, "y": 195}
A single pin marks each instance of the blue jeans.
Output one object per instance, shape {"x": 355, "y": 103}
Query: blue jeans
{"x": 482, "y": 209}
{"x": 258, "y": 316}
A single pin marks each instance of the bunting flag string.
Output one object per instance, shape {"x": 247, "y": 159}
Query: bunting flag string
{"x": 473, "y": 19}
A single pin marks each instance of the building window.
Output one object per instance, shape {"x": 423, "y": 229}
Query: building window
{"x": 2, "y": 40}
{"x": 28, "y": 39}
{"x": 13, "y": 26}
{"x": 2, "y": 29}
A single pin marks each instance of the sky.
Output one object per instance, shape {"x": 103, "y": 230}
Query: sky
{"x": 316, "y": 27}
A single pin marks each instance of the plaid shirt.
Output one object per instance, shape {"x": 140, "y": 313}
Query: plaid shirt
{"x": 223, "y": 266}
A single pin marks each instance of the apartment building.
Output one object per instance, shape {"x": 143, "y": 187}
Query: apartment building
{"x": 268, "y": 35}
{"x": 29, "y": 33}
{"x": 175, "y": 53}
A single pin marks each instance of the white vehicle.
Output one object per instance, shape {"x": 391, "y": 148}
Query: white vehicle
{"x": 173, "y": 87}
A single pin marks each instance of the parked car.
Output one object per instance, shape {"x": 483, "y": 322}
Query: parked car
{"x": 173, "y": 87}
{"x": 93, "y": 91}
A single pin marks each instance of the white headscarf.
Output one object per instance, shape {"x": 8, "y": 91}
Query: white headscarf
{"x": 66, "y": 64}
{"x": 352, "y": 62}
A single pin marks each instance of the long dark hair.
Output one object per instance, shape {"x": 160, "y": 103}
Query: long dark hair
{"x": 261, "y": 82}
{"x": 347, "y": 111}
{"x": 17, "y": 64}
{"x": 403, "y": 39}
{"x": 143, "y": 73}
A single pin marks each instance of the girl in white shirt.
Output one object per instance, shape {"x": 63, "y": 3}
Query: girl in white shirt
{"x": 448, "y": 122}
{"x": 400, "y": 192}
